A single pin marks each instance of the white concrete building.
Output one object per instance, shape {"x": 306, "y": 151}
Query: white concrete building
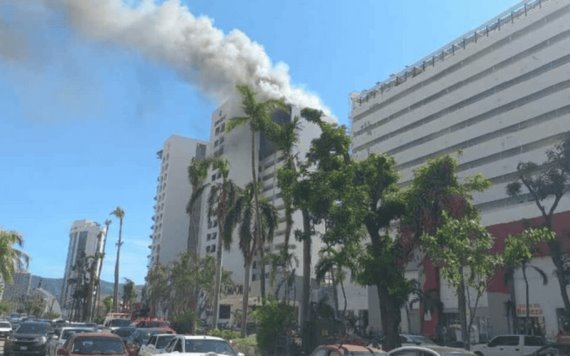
{"x": 85, "y": 239}
{"x": 499, "y": 95}
{"x": 170, "y": 220}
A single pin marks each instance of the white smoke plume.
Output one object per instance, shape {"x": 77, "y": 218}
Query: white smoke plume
{"x": 202, "y": 54}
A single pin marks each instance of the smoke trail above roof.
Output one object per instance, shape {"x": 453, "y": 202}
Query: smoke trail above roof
{"x": 199, "y": 52}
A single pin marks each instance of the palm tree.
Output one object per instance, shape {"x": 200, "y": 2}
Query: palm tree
{"x": 197, "y": 173}
{"x": 120, "y": 214}
{"x": 223, "y": 197}
{"x": 258, "y": 115}
{"x": 11, "y": 258}
{"x": 100, "y": 267}
{"x": 244, "y": 212}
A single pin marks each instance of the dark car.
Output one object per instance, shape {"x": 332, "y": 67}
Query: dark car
{"x": 30, "y": 338}
{"x": 124, "y": 332}
{"x": 93, "y": 344}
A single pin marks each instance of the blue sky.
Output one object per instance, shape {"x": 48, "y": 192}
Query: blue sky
{"x": 81, "y": 120}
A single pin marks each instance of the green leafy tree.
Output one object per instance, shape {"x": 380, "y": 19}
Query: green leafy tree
{"x": 314, "y": 195}
{"x": 546, "y": 184}
{"x": 129, "y": 294}
{"x": 12, "y": 258}
{"x": 384, "y": 261}
{"x": 108, "y": 303}
{"x": 461, "y": 248}
{"x": 157, "y": 289}
{"x": 119, "y": 213}
{"x": 249, "y": 228}
{"x": 434, "y": 189}
{"x": 258, "y": 115}
{"x": 4, "y": 307}
{"x": 518, "y": 252}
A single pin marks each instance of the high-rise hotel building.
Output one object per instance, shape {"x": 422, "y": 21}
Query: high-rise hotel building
{"x": 85, "y": 239}
{"x": 171, "y": 222}
{"x": 497, "y": 95}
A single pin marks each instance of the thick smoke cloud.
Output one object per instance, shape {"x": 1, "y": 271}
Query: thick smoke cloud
{"x": 202, "y": 54}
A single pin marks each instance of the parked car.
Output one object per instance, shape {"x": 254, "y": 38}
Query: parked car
{"x": 552, "y": 350}
{"x": 93, "y": 344}
{"x": 5, "y": 328}
{"x": 431, "y": 350}
{"x": 347, "y": 350}
{"x": 198, "y": 345}
{"x": 515, "y": 345}
{"x": 61, "y": 336}
{"x": 113, "y": 324}
{"x": 30, "y": 338}
{"x": 155, "y": 345}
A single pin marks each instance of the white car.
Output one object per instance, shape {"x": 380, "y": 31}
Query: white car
{"x": 5, "y": 328}
{"x": 515, "y": 345}
{"x": 155, "y": 345}
{"x": 197, "y": 345}
{"x": 429, "y": 351}
{"x": 59, "y": 339}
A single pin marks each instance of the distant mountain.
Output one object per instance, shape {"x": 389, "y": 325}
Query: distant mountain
{"x": 54, "y": 285}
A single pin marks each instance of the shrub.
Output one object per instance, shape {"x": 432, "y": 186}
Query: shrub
{"x": 275, "y": 320}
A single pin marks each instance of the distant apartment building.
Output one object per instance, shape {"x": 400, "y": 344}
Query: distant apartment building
{"x": 499, "y": 95}
{"x": 170, "y": 220}
{"x": 19, "y": 288}
{"x": 85, "y": 239}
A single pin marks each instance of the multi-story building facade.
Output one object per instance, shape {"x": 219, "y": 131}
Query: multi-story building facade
{"x": 499, "y": 95}
{"x": 86, "y": 238}
{"x": 171, "y": 222}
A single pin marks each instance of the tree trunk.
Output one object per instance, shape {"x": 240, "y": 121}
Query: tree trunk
{"x": 526, "y": 296}
{"x": 306, "y": 268}
{"x": 462, "y": 306}
{"x": 262, "y": 270}
{"x": 218, "y": 277}
{"x": 116, "y": 284}
{"x": 259, "y": 228}
{"x": 390, "y": 318}
{"x": 245, "y": 300}
{"x": 556, "y": 255}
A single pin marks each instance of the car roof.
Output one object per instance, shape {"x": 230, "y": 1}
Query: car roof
{"x": 97, "y": 334}
{"x": 201, "y": 337}
{"x": 438, "y": 349}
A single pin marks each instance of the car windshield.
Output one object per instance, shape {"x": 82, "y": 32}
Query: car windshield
{"x": 124, "y": 331}
{"x": 97, "y": 345}
{"x": 32, "y": 328}
{"x": 163, "y": 341}
{"x": 422, "y": 339}
{"x": 205, "y": 346}
{"x": 120, "y": 322}
{"x": 5, "y": 325}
